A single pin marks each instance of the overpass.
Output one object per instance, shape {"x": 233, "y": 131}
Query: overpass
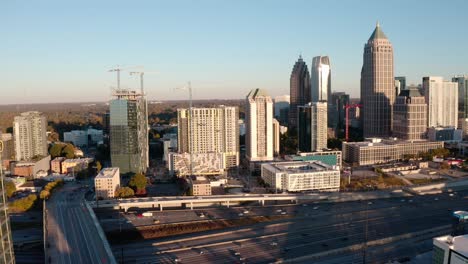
{"x": 228, "y": 200}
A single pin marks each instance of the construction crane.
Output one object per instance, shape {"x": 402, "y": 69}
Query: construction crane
{"x": 118, "y": 69}
{"x": 347, "y": 107}
{"x": 141, "y": 74}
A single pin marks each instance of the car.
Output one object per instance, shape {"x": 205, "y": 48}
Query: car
{"x": 279, "y": 211}
{"x": 451, "y": 194}
{"x": 402, "y": 200}
{"x": 241, "y": 258}
{"x": 369, "y": 203}
{"x": 201, "y": 252}
{"x": 315, "y": 208}
{"x": 236, "y": 253}
{"x": 201, "y": 215}
{"x": 177, "y": 260}
{"x": 283, "y": 213}
{"x": 241, "y": 214}
{"x": 246, "y": 212}
{"x": 410, "y": 201}
{"x": 139, "y": 215}
{"x": 156, "y": 221}
{"x": 436, "y": 199}
{"x": 304, "y": 205}
{"x": 273, "y": 244}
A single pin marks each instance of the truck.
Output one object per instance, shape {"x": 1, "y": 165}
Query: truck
{"x": 147, "y": 214}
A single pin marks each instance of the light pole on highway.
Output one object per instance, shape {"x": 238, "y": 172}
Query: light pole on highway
{"x": 364, "y": 253}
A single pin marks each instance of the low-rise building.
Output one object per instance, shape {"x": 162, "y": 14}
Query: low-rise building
{"x": 450, "y": 250}
{"x": 295, "y": 176}
{"x": 203, "y": 164}
{"x": 376, "y": 150}
{"x": 81, "y": 138}
{"x": 107, "y": 182}
{"x": 331, "y": 157}
{"x": 56, "y": 164}
{"x": 75, "y": 165}
{"x": 32, "y": 169}
{"x": 445, "y": 134}
{"x": 169, "y": 144}
{"x": 199, "y": 186}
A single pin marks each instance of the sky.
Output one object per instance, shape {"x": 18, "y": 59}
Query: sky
{"x": 61, "y": 51}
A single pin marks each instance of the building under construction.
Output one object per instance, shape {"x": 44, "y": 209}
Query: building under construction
{"x": 129, "y": 131}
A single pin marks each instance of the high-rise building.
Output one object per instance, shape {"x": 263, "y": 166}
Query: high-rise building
{"x": 337, "y": 114}
{"x": 320, "y": 78}
{"x": 400, "y": 84}
{"x": 276, "y": 137}
{"x": 312, "y": 130}
{"x": 299, "y": 90}
{"x": 462, "y": 81}
{"x": 377, "y": 85}
{"x": 6, "y": 249}
{"x": 259, "y": 126}
{"x": 442, "y": 102}
{"x": 410, "y": 115}
{"x": 8, "y": 146}
{"x": 207, "y": 130}
{"x": 129, "y": 131}
{"x": 30, "y": 134}
{"x": 282, "y": 108}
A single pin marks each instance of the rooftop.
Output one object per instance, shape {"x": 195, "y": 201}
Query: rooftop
{"x": 257, "y": 92}
{"x": 300, "y": 166}
{"x": 458, "y": 243}
{"x": 378, "y": 33}
{"x": 108, "y": 173}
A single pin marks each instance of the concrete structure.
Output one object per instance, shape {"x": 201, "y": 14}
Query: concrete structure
{"x": 199, "y": 186}
{"x": 330, "y": 157}
{"x": 281, "y": 107}
{"x": 75, "y": 165}
{"x": 259, "y": 126}
{"x": 337, "y": 113}
{"x": 445, "y": 134}
{"x": 400, "y": 85}
{"x": 32, "y": 169}
{"x": 375, "y": 150}
{"x": 442, "y": 102}
{"x": 211, "y": 163}
{"x": 295, "y": 176}
{"x": 450, "y": 250}
{"x": 208, "y": 130}
{"x": 56, "y": 165}
{"x": 7, "y": 255}
{"x": 462, "y": 81}
{"x": 276, "y": 137}
{"x": 410, "y": 115}
{"x": 107, "y": 182}
{"x": 30, "y": 135}
{"x": 169, "y": 144}
{"x": 299, "y": 90}
{"x": 312, "y": 130}
{"x": 377, "y": 85}
{"x": 129, "y": 131}
{"x": 83, "y": 138}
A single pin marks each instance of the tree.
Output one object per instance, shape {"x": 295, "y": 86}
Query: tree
{"x": 44, "y": 194}
{"x": 55, "y": 150}
{"x": 98, "y": 166}
{"x": 68, "y": 151}
{"x": 124, "y": 192}
{"x": 10, "y": 188}
{"x": 138, "y": 182}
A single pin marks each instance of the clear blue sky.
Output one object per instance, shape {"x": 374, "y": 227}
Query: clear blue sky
{"x": 60, "y": 51}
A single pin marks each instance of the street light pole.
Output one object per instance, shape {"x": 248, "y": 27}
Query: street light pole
{"x": 365, "y": 235}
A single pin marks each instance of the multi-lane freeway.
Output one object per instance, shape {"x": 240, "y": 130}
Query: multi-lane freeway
{"x": 317, "y": 233}
{"x": 73, "y": 236}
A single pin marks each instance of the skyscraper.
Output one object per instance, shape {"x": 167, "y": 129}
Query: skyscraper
{"x": 462, "y": 81}
{"x": 6, "y": 249}
{"x": 207, "y": 130}
{"x": 400, "y": 84}
{"x": 281, "y": 107}
{"x": 377, "y": 85}
{"x": 312, "y": 129}
{"x": 442, "y": 101}
{"x": 410, "y": 115}
{"x": 276, "y": 137}
{"x": 259, "y": 126}
{"x": 299, "y": 90}
{"x": 129, "y": 131}
{"x": 320, "y": 77}
{"x": 30, "y": 134}
{"x": 336, "y": 116}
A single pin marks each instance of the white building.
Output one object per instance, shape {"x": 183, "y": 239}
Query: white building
{"x": 259, "y": 126}
{"x": 295, "y": 176}
{"x": 107, "y": 182}
{"x": 208, "y": 130}
{"x": 169, "y": 144}
{"x": 312, "y": 127}
{"x": 30, "y": 135}
{"x": 442, "y": 101}
{"x": 80, "y": 137}
{"x": 450, "y": 250}
{"x": 203, "y": 163}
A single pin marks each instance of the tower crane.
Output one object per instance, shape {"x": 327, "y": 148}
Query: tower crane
{"x": 118, "y": 69}
{"x": 141, "y": 74}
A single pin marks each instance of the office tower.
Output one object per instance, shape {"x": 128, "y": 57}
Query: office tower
{"x": 337, "y": 114}
{"x": 282, "y": 108}
{"x": 312, "y": 130}
{"x": 276, "y": 137}
{"x": 400, "y": 84}
{"x": 410, "y": 115}
{"x": 6, "y": 249}
{"x": 259, "y": 126}
{"x": 320, "y": 78}
{"x": 30, "y": 133}
{"x": 442, "y": 102}
{"x": 377, "y": 85}
{"x": 129, "y": 131}
{"x": 207, "y": 130}
{"x": 299, "y": 90}
{"x": 462, "y": 81}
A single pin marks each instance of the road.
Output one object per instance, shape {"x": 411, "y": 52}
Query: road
{"x": 72, "y": 234}
{"x": 315, "y": 228}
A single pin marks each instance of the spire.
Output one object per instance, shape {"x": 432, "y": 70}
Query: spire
{"x": 378, "y": 33}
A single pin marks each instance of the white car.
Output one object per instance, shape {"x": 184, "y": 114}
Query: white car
{"x": 283, "y": 213}
{"x": 246, "y": 212}
{"x": 279, "y": 211}
{"x": 201, "y": 215}
{"x": 241, "y": 214}
{"x": 315, "y": 208}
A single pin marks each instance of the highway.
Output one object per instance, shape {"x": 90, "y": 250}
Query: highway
{"x": 314, "y": 229}
{"x": 72, "y": 234}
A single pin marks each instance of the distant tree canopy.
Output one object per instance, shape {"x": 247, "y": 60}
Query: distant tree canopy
{"x": 138, "y": 182}
{"x": 23, "y": 204}
{"x": 62, "y": 150}
{"x": 10, "y": 188}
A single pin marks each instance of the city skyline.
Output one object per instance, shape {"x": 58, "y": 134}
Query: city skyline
{"x": 192, "y": 47}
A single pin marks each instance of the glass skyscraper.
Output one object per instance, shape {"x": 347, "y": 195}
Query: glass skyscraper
{"x": 299, "y": 90}
{"x": 6, "y": 250}
{"x": 129, "y": 131}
